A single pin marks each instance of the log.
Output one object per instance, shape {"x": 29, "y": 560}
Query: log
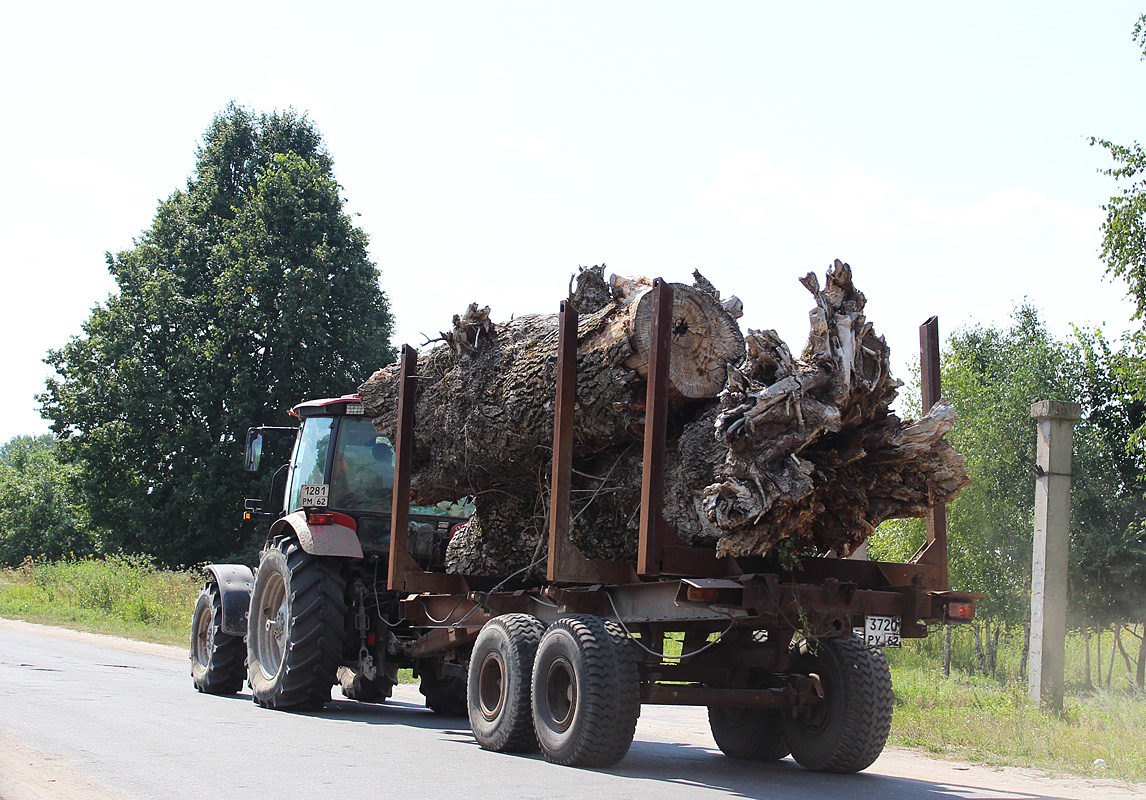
{"x": 767, "y": 453}
{"x": 485, "y": 398}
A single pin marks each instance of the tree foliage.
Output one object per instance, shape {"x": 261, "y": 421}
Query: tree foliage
{"x": 1124, "y": 231}
{"x": 992, "y": 375}
{"x": 251, "y": 290}
{"x": 41, "y": 504}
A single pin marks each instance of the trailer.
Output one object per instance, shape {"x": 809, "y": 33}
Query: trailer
{"x": 785, "y": 654}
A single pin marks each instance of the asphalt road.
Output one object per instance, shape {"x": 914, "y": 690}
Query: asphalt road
{"x": 84, "y": 716}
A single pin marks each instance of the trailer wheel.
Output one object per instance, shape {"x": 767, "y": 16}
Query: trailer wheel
{"x": 586, "y": 692}
{"x": 218, "y": 660}
{"x": 501, "y": 671}
{"x": 845, "y": 732}
{"x": 445, "y": 694}
{"x": 751, "y": 733}
{"x": 295, "y": 627}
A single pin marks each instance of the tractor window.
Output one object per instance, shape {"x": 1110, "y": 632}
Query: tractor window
{"x": 309, "y": 460}
{"x": 362, "y": 478}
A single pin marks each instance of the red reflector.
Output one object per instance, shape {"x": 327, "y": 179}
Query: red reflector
{"x": 320, "y": 519}
{"x": 703, "y": 595}
{"x": 961, "y": 611}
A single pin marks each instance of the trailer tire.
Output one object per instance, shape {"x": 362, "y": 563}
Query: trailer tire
{"x": 756, "y": 734}
{"x": 847, "y": 731}
{"x": 218, "y": 660}
{"x": 586, "y": 692}
{"x": 500, "y": 683}
{"x": 295, "y": 627}
{"x": 445, "y": 694}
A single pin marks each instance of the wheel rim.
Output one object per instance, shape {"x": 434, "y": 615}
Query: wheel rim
{"x": 561, "y": 693}
{"x": 491, "y": 686}
{"x": 273, "y": 625}
{"x": 204, "y": 642}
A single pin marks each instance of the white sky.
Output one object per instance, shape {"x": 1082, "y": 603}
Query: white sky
{"x": 490, "y": 148}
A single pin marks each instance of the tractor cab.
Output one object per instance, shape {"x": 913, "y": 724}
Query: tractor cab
{"x": 341, "y": 471}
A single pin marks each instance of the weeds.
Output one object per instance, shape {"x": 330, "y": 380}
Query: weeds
{"x": 124, "y": 595}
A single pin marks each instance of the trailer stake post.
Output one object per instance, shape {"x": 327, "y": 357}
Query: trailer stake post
{"x": 934, "y": 549}
{"x": 656, "y": 427}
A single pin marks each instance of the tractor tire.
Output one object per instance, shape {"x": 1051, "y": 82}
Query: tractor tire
{"x": 295, "y": 628}
{"x": 445, "y": 694}
{"x": 586, "y": 692}
{"x": 756, "y": 734}
{"x": 365, "y": 690}
{"x": 848, "y": 729}
{"x": 218, "y": 660}
{"x": 501, "y": 671}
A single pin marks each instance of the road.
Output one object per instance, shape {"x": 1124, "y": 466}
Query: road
{"x": 85, "y": 716}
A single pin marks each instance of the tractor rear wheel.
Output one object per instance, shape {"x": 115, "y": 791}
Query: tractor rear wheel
{"x": 295, "y": 627}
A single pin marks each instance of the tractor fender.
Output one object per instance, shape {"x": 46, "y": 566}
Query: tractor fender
{"x": 338, "y": 539}
{"x": 235, "y": 582}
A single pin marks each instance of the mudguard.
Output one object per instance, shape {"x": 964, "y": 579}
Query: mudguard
{"x": 339, "y": 539}
{"x": 235, "y": 582}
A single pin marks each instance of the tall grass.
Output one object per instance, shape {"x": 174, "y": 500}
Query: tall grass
{"x": 123, "y": 595}
{"x": 991, "y": 719}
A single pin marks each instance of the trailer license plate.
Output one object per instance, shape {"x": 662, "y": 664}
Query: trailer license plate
{"x": 313, "y": 495}
{"x": 882, "y": 631}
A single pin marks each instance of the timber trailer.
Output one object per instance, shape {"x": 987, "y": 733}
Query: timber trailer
{"x": 786, "y": 657}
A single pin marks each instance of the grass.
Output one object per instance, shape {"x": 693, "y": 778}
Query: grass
{"x": 966, "y": 716}
{"x": 120, "y": 595}
{"x": 977, "y": 719}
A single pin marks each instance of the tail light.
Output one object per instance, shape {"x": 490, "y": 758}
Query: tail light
{"x": 320, "y": 519}
{"x": 963, "y": 612}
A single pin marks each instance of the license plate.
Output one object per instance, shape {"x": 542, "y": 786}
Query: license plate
{"x": 313, "y": 495}
{"x": 881, "y": 631}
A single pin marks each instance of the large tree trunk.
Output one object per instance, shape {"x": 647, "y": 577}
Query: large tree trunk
{"x": 485, "y": 401}
{"x": 763, "y": 448}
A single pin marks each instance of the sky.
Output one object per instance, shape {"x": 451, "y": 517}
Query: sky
{"x": 489, "y": 149}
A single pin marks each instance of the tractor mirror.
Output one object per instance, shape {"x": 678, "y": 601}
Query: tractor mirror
{"x": 254, "y": 449}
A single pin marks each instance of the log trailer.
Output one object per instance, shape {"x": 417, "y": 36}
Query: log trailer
{"x": 786, "y": 657}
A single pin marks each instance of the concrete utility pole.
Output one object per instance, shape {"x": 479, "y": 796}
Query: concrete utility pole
{"x": 1052, "y": 534}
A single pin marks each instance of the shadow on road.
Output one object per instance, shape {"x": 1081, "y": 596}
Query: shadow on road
{"x": 678, "y": 764}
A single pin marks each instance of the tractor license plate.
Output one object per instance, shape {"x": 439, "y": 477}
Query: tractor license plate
{"x": 882, "y": 631}
{"x": 313, "y": 495}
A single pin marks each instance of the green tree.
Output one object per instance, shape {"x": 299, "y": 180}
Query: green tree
{"x": 1124, "y": 231}
{"x": 992, "y": 376}
{"x": 1108, "y": 510}
{"x": 41, "y": 503}
{"x": 251, "y": 290}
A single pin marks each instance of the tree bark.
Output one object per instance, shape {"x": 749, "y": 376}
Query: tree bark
{"x": 763, "y": 448}
{"x": 947, "y": 651}
{"x": 1025, "y": 659}
{"x": 980, "y": 656}
{"x": 1140, "y": 674}
{"x": 1122, "y": 651}
{"x": 1086, "y": 649}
